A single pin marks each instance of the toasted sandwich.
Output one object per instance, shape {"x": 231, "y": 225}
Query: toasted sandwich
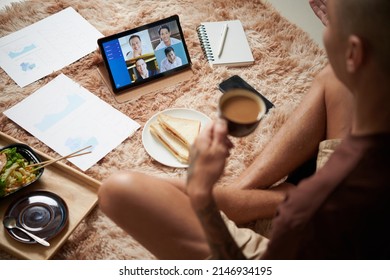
{"x": 171, "y": 143}
{"x": 186, "y": 130}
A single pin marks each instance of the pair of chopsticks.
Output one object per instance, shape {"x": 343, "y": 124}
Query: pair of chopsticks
{"x": 48, "y": 162}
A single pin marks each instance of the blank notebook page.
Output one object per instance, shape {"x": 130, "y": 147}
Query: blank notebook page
{"x": 236, "y": 50}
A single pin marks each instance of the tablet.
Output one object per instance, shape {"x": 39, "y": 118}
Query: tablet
{"x": 144, "y": 54}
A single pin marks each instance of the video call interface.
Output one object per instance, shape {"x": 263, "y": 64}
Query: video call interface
{"x": 140, "y": 56}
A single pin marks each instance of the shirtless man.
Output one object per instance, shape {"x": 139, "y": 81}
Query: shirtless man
{"x": 166, "y": 222}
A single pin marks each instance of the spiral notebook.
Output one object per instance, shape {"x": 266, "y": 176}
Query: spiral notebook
{"x": 235, "y": 51}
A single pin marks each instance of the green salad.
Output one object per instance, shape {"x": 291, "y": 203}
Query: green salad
{"x": 14, "y": 171}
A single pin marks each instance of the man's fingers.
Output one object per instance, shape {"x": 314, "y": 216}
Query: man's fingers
{"x": 219, "y": 135}
{"x": 205, "y": 137}
{"x": 319, "y": 8}
{"x": 220, "y": 130}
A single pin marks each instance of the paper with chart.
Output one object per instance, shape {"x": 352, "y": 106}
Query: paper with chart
{"x": 67, "y": 117}
{"x": 47, "y": 46}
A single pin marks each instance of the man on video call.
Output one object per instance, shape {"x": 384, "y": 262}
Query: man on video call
{"x": 142, "y": 70}
{"x": 136, "y": 47}
{"x": 171, "y": 60}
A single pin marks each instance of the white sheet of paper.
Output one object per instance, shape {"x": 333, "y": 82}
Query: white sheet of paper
{"x": 67, "y": 117}
{"x": 46, "y": 46}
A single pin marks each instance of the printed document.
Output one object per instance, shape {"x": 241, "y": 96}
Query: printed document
{"x": 46, "y": 46}
{"x": 67, "y": 117}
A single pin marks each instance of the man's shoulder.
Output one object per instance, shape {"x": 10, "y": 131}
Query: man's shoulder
{"x": 160, "y": 45}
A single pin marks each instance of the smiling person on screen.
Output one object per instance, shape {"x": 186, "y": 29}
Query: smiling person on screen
{"x": 136, "y": 46}
{"x": 165, "y": 37}
{"x": 142, "y": 70}
{"x": 171, "y": 60}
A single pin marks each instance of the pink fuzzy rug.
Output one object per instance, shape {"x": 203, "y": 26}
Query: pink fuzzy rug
{"x": 286, "y": 60}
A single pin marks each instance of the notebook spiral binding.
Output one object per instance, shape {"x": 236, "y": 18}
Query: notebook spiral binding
{"x": 204, "y": 43}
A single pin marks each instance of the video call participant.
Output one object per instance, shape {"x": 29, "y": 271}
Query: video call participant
{"x": 166, "y": 39}
{"x": 136, "y": 46}
{"x": 171, "y": 60}
{"x": 142, "y": 70}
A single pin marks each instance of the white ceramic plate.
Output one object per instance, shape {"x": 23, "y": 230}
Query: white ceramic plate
{"x": 157, "y": 150}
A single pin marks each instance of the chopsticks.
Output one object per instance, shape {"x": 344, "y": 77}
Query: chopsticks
{"x": 48, "y": 162}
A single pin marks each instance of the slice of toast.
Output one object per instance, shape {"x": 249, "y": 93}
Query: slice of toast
{"x": 171, "y": 143}
{"x": 186, "y": 130}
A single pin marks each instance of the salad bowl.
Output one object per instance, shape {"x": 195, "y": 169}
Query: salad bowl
{"x": 15, "y": 170}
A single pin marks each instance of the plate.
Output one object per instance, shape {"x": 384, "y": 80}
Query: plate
{"x": 29, "y": 154}
{"x": 42, "y": 213}
{"x": 157, "y": 150}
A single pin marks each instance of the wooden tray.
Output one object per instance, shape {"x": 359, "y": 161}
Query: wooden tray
{"x": 77, "y": 190}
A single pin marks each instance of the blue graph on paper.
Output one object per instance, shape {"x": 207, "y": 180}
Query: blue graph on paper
{"x": 73, "y": 101}
{"x": 27, "y": 66}
{"x": 24, "y": 50}
{"x": 76, "y": 143}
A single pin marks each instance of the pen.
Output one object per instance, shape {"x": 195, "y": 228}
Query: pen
{"x": 223, "y": 37}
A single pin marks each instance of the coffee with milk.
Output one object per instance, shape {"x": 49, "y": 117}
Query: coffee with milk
{"x": 242, "y": 109}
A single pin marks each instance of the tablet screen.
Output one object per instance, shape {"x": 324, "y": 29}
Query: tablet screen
{"x": 145, "y": 53}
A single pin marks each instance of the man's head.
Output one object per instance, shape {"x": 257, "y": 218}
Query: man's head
{"x": 165, "y": 33}
{"x": 357, "y": 35}
{"x": 170, "y": 54}
{"x": 140, "y": 65}
{"x": 135, "y": 42}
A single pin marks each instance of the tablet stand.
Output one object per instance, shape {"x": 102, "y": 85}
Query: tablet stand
{"x": 135, "y": 93}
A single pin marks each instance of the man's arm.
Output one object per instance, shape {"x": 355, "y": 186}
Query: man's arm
{"x": 208, "y": 156}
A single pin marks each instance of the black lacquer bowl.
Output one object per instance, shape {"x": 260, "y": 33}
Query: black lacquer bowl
{"x": 29, "y": 154}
